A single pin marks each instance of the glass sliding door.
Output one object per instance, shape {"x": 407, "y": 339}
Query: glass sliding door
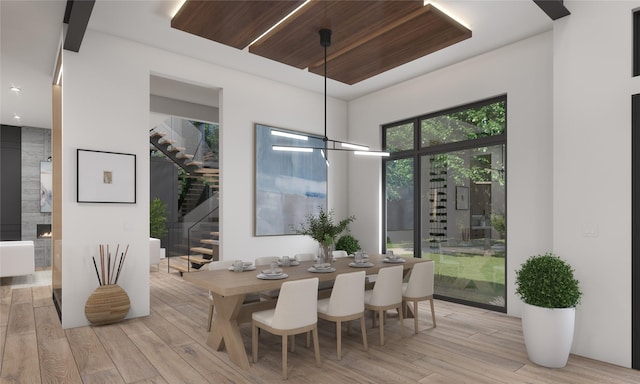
{"x": 446, "y": 198}
{"x": 462, "y": 209}
{"x": 400, "y": 206}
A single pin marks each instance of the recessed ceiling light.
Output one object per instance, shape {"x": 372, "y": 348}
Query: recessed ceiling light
{"x": 16, "y": 116}
{"x": 15, "y": 89}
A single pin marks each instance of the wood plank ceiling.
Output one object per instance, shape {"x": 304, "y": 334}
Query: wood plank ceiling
{"x": 368, "y": 37}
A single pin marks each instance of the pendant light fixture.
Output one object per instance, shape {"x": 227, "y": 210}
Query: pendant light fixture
{"x": 329, "y": 144}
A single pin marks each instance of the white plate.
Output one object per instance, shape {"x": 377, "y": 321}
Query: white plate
{"x": 292, "y": 263}
{"x": 361, "y": 265}
{"x": 245, "y": 268}
{"x": 321, "y": 270}
{"x": 272, "y": 272}
{"x": 272, "y": 277}
{"x": 398, "y": 260}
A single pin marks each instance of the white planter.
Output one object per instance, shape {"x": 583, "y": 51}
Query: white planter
{"x": 548, "y": 334}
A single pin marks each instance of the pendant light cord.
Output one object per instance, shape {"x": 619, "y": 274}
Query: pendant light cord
{"x": 325, "y": 93}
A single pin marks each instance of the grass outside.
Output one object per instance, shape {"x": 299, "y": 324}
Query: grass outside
{"x": 469, "y": 276}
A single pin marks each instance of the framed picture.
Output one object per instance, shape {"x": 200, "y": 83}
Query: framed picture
{"x": 288, "y": 185}
{"x": 106, "y": 177}
{"x": 462, "y": 198}
{"x": 46, "y": 187}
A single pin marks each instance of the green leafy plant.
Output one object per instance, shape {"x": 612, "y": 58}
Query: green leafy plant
{"x": 321, "y": 227}
{"x": 498, "y": 222}
{"x": 157, "y": 218}
{"x": 348, "y": 243}
{"x": 547, "y": 281}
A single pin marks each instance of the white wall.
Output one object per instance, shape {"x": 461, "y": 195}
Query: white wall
{"x": 568, "y": 181}
{"x": 106, "y": 107}
{"x": 104, "y": 92}
{"x": 592, "y": 168}
{"x": 523, "y": 72}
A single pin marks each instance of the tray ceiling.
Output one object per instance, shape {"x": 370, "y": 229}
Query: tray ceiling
{"x": 369, "y": 37}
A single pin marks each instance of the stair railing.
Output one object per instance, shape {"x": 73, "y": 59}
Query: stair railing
{"x": 189, "y": 235}
{"x": 182, "y": 142}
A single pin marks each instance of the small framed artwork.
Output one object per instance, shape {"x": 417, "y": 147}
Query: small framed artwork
{"x": 462, "y": 198}
{"x": 106, "y": 177}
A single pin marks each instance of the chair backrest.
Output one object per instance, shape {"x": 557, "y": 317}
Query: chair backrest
{"x": 347, "y": 295}
{"x": 265, "y": 260}
{"x": 421, "y": 280}
{"x": 388, "y": 288}
{"x": 339, "y": 254}
{"x": 305, "y": 256}
{"x": 297, "y": 304}
{"x": 222, "y": 264}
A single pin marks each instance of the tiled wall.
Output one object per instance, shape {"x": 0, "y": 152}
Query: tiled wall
{"x": 36, "y": 147}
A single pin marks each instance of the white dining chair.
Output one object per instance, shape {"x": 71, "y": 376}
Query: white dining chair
{"x": 385, "y": 295}
{"x": 305, "y": 256}
{"x": 265, "y": 260}
{"x": 345, "y": 304}
{"x": 295, "y": 313}
{"x": 224, "y": 264}
{"x": 339, "y": 254}
{"x": 419, "y": 288}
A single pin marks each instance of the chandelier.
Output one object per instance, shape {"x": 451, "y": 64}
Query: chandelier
{"x": 329, "y": 144}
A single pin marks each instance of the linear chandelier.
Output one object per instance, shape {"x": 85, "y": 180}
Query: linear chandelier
{"x": 329, "y": 144}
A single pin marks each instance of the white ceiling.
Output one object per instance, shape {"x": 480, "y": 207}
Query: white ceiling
{"x": 30, "y": 32}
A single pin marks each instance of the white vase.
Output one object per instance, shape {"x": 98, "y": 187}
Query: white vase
{"x": 548, "y": 334}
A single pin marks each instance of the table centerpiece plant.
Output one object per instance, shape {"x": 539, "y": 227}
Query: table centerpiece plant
{"x": 321, "y": 228}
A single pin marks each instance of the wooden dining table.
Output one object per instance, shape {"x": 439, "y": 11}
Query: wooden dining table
{"x": 229, "y": 289}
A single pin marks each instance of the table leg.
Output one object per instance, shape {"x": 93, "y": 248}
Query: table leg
{"x": 225, "y": 331}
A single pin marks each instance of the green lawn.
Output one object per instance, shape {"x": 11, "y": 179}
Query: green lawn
{"x": 468, "y": 276}
{"x": 472, "y": 267}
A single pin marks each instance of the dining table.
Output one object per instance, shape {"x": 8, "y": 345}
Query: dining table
{"x": 229, "y": 288}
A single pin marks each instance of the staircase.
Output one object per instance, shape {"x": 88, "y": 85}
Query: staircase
{"x": 184, "y": 144}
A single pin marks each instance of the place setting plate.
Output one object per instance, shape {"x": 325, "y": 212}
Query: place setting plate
{"x": 321, "y": 268}
{"x": 246, "y": 266}
{"x": 365, "y": 264}
{"x": 272, "y": 274}
{"x": 395, "y": 260}
{"x": 292, "y": 263}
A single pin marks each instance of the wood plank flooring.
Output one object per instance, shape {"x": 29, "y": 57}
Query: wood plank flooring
{"x": 469, "y": 345}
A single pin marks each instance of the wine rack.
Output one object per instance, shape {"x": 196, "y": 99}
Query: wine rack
{"x": 437, "y": 203}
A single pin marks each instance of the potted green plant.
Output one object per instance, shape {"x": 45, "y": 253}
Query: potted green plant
{"x": 322, "y": 229}
{"x": 157, "y": 218}
{"x": 550, "y": 293}
{"x": 348, "y": 243}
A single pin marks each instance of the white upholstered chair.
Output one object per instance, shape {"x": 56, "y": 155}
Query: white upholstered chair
{"x": 419, "y": 288}
{"x": 265, "y": 260}
{"x": 224, "y": 264}
{"x": 345, "y": 304}
{"x": 339, "y": 254}
{"x": 305, "y": 256}
{"x": 385, "y": 295}
{"x": 154, "y": 252}
{"x": 295, "y": 313}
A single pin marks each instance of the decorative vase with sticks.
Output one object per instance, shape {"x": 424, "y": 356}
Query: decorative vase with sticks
{"x": 109, "y": 303}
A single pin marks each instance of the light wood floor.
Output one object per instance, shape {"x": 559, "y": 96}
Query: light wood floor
{"x": 468, "y": 346}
